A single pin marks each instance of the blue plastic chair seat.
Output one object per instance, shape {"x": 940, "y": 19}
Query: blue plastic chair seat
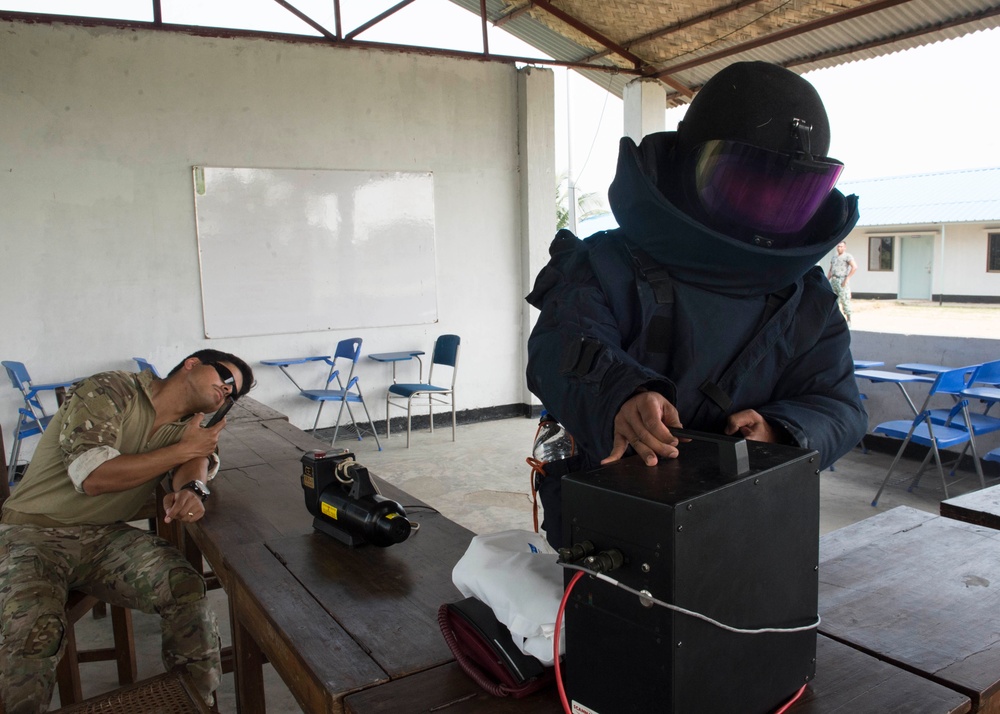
{"x": 330, "y": 395}
{"x": 33, "y": 428}
{"x": 981, "y": 423}
{"x": 408, "y": 390}
{"x": 945, "y": 436}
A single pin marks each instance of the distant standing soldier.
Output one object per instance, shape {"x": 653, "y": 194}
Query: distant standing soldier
{"x": 842, "y": 267}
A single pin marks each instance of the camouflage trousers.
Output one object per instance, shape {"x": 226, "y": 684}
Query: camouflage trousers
{"x": 118, "y": 564}
{"x": 843, "y": 297}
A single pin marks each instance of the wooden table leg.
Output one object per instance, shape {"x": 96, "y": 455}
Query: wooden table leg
{"x": 248, "y": 667}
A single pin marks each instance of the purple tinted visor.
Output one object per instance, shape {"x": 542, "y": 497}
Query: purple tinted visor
{"x": 764, "y": 190}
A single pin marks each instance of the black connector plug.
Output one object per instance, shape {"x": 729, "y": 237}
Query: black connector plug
{"x": 605, "y": 561}
{"x": 576, "y": 552}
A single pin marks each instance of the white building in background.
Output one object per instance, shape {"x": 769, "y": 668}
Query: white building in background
{"x": 927, "y": 237}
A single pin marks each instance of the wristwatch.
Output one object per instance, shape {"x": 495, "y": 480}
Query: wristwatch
{"x": 199, "y": 488}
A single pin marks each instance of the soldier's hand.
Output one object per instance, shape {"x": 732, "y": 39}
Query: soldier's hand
{"x": 751, "y": 425}
{"x": 200, "y": 441}
{"x": 183, "y": 505}
{"x": 644, "y": 422}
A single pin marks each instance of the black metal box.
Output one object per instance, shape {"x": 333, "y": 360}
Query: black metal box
{"x": 741, "y": 549}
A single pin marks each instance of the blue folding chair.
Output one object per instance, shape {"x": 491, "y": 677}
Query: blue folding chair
{"x": 32, "y": 417}
{"x": 346, "y": 394}
{"x": 146, "y": 366}
{"x": 982, "y": 422}
{"x": 922, "y": 430}
{"x": 446, "y": 349}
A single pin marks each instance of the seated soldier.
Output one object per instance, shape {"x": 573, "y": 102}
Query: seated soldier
{"x": 65, "y": 528}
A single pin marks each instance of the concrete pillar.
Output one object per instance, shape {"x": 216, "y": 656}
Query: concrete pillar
{"x": 645, "y": 106}
{"x": 537, "y": 167}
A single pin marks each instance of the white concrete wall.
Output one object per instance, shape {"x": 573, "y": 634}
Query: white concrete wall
{"x": 99, "y": 129}
{"x": 959, "y": 271}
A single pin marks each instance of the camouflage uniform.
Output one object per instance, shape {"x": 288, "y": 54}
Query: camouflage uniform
{"x": 80, "y": 542}
{"x": 840, "y": 268}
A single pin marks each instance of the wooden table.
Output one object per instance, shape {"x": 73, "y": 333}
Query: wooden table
{"x": 921, "y": 592}
{"x": 847, "y": 682}
{"x": 333, "y": 620}
{"x": 355, "y": 629}
{"x": 330, "y": 619}
{"x": 981, "y": 507}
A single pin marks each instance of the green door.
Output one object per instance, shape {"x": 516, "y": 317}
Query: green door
{"x": 916, "y": 260}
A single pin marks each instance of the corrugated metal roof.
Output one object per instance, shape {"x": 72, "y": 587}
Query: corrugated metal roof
{"x": 965, "y": 196}
{"x": 707, "y": 35}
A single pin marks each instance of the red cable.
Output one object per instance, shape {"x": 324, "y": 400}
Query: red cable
{"x": 555, "y": 641}
{"x": 792, "y": 701}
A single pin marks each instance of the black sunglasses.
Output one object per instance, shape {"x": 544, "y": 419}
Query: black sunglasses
{"x": 227, "y": 378}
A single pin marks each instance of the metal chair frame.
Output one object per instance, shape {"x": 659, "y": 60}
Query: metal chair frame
{"x": 32, "y": 417}
{"x": 446, "y": 352}
{"x": 981, "y": 422}
{"x": 922, "y": 430}
{"x": 350, "y": 349}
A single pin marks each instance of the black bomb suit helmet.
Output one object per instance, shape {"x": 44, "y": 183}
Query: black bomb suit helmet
{"x": 752, "y": 147}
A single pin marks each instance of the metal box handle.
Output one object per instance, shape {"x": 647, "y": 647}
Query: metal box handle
{"x": 734, "y": 459}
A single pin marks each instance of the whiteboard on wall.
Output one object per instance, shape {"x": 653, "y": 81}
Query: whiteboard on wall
{"x": 298, "y": 250}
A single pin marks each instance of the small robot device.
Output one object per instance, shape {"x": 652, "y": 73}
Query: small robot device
{"x": 346, "y": 504}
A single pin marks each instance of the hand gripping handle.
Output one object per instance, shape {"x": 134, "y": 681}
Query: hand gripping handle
{"x": 734, "y": 459}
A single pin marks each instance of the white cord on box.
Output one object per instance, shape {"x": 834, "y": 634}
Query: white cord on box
{"x": 691, "y": 613}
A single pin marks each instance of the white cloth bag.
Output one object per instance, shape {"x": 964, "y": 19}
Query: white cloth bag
{"x": 515, "y": 573}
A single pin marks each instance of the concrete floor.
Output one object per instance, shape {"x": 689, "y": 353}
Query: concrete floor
{"x": 481, "y": 481}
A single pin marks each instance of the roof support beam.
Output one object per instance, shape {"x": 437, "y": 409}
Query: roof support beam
{"x": 681, "y": 25}
{"x": 503, "y": 20}
{"x": 590, "y": 32}
{"x": 781, "y": 35}
{"x": 376, "y": 20}
{"x": 306, "y": 19}
{"x": 482, "y": 18}
{"x": 200, "y": 31}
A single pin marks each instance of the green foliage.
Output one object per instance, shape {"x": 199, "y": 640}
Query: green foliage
{"x": 588, "y": 205}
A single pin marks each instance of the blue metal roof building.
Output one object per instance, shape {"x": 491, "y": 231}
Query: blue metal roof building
{"x": 962, "y": 196}
{"x": 933, "y": 236}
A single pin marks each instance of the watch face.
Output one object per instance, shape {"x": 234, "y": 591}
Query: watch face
{"x": 200, "y": 488}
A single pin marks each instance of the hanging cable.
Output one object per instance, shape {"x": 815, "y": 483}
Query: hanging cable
{"x": 691, "y": 613}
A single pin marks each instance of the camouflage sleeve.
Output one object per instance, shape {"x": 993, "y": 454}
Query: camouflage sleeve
{"x": 92, "y": 423}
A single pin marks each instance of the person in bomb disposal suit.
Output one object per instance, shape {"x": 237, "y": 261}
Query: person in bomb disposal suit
{"x": 65, "y": 527}
{"x": 706, "y": 309}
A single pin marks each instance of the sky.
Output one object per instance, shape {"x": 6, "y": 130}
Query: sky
{"x": 924, "y": 110}
{"x": 928, "y": 109}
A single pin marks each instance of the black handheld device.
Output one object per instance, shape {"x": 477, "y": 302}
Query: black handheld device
{"x": 221, "y": 412}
